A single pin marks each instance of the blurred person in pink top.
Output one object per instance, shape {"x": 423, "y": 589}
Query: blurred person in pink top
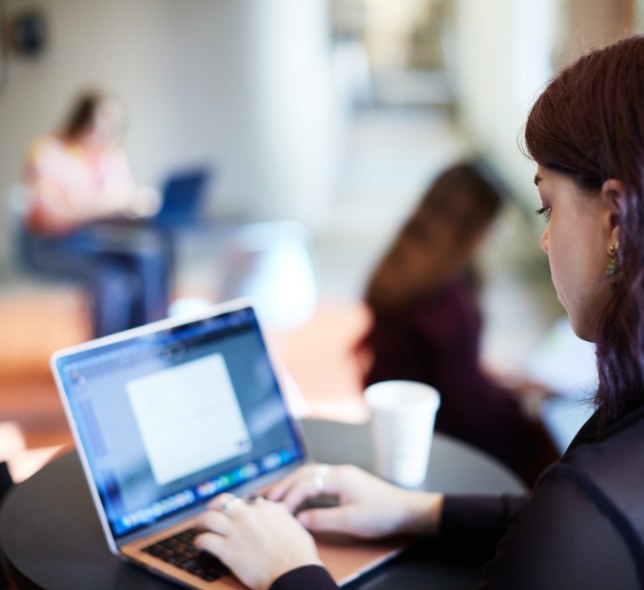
{"x": 81, "y": 174}
{"x": 80, "y": 192}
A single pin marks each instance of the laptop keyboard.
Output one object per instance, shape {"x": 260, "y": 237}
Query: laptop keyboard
{"x": 179, "y": 551}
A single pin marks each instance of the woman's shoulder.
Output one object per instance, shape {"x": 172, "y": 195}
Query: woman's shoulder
{"x": 608, "y": 467}
{"x": 49, "y": 141}
{"x": 584, "y": 520}
{"x": 571, "y": 529}
{"x": 600, "y": 480}
{"x": 45, "y": 146}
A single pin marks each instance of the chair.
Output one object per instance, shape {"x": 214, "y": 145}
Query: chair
{"x": 5, "y": 480}
{"x": 17, "y": 208}
{"x": 18, "y": 262}
{"x": 6, "y": 483}
{"x": 271, "y": 262}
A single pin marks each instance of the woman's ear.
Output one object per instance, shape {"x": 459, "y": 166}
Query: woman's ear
{"x": 613, "y": 195}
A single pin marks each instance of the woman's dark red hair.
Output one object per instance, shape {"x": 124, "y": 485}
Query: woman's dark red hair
{"x": 589, "y": 124}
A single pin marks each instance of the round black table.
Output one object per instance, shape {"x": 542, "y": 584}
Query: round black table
{"x": 51, "y": 537}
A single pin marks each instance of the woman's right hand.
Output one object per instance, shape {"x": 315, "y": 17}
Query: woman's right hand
{"x": 367, "y": 506}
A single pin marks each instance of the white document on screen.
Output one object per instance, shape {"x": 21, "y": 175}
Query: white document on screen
{"x": 188, "y": 417}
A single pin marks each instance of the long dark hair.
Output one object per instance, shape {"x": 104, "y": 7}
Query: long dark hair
{"x": 460, "y": 203}
{"x": 589, "y": 124}
{"x": 81, "y": 116}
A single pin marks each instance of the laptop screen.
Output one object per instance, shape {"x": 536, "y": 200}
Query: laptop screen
{"x": 171, "y": 417}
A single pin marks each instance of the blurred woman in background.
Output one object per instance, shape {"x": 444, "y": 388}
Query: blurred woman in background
{"x": 79, "y": 186}
{"x": 426, "y": 321}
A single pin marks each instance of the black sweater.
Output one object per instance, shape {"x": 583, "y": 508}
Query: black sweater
{"x": 583, "y": 527}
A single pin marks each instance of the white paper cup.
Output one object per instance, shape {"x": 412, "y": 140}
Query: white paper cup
{"x": 402, "y": 422}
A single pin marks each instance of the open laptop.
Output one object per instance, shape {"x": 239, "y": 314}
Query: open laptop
{"x": 183, "y": 195}
{"x": 168, "y": 415}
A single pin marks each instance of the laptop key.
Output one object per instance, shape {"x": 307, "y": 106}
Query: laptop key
{"x": 179, "y": 551}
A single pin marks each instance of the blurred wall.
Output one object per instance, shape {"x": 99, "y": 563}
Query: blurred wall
{"x": 507, "y": 50}
{"x": 238, "y": 84}
{"x": 588, "y": 24}
{"x": 503, "y": 58}
{"x": 245, "y": 85}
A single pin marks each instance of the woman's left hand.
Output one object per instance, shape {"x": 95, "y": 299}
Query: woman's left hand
{"x": 258, "y": 540}
{"x": 144, "y": 201}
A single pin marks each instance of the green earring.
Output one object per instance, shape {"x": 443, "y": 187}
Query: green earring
{"x": 613, "y": 264}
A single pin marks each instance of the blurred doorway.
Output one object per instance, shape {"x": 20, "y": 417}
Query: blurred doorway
{"x": 406, "y": 46}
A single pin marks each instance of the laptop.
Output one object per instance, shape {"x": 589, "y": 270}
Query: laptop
{"x": 168, "y": 415}
{"x": 183, "y": 198}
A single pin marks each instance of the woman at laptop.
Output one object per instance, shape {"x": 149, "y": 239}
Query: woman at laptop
{"x": 583, "y": 526}
{"x": 78, "y": 182}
